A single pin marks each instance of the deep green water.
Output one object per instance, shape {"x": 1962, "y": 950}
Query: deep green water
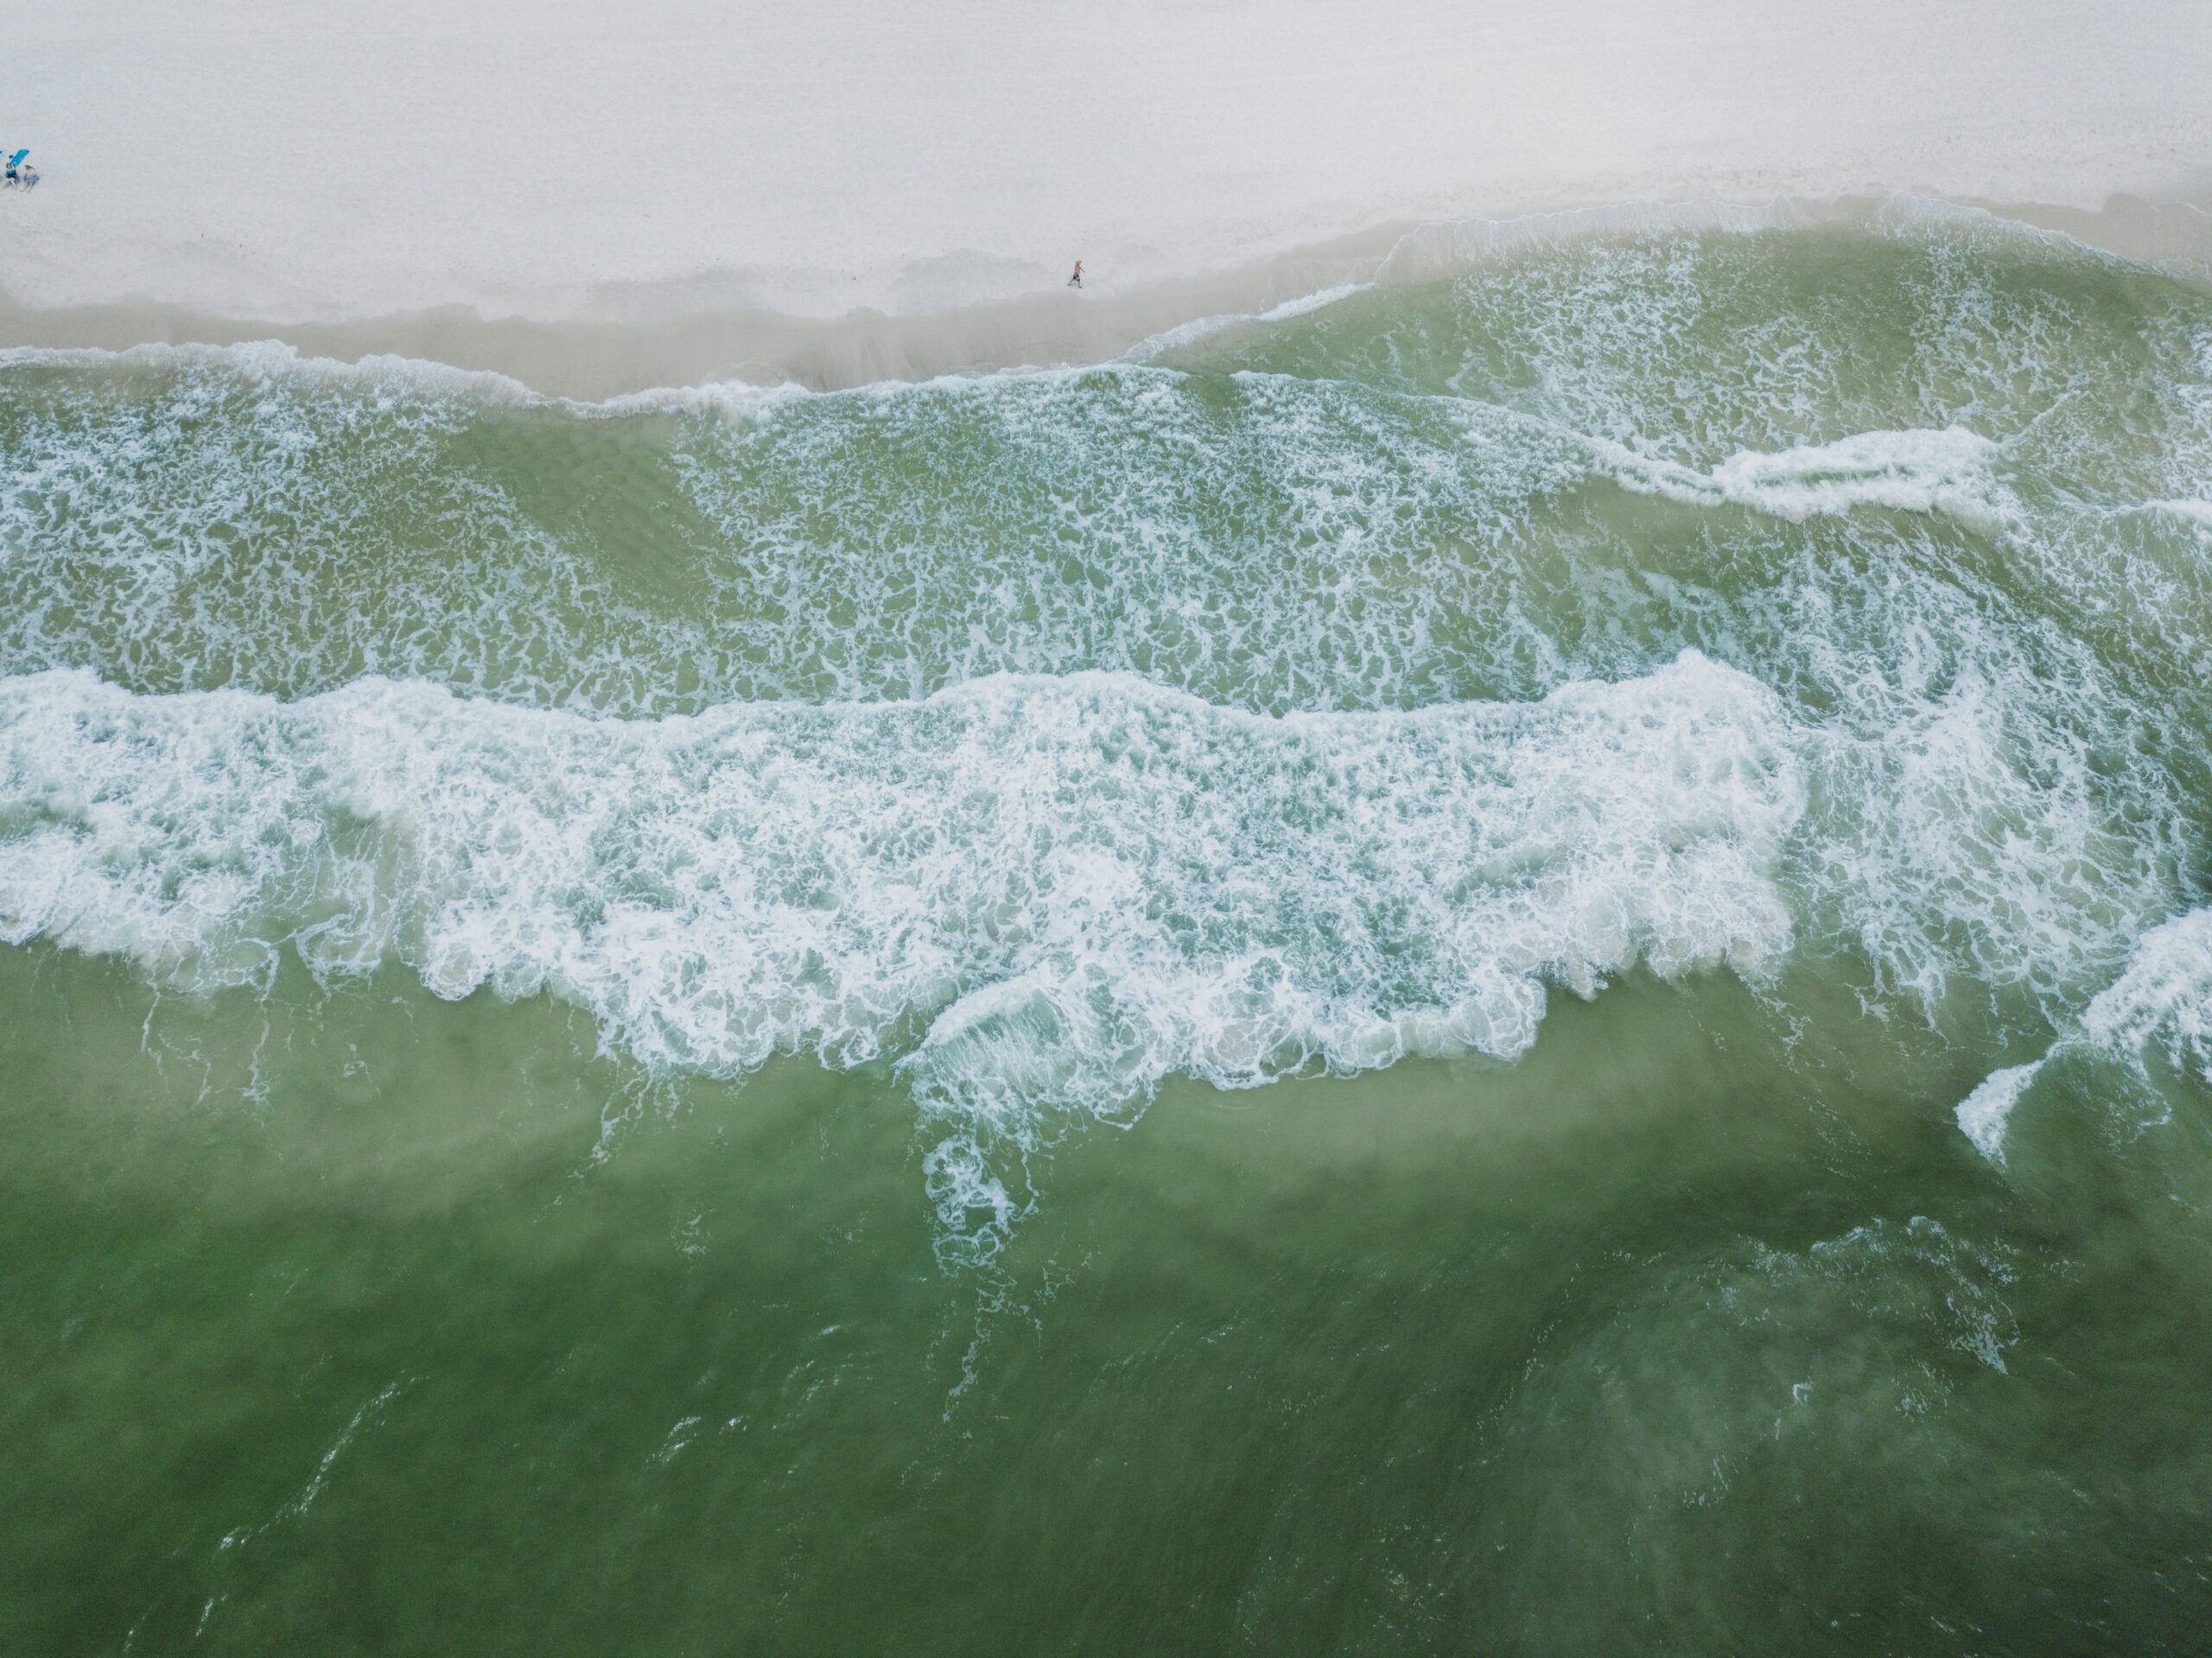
{"x": 1311, "y": 993}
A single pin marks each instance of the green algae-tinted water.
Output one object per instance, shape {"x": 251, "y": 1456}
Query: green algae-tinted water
{"x": 1649, "y": 1340}
{"x": 1514, "y": 966}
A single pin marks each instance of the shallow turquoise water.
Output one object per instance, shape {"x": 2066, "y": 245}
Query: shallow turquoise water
{"x": 1309, "y": 993}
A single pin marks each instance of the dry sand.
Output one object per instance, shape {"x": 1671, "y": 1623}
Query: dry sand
{"x": 617, "y": 193}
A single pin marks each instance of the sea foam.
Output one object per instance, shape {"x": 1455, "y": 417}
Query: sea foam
{"x": 2164, "y": 998}
{"x": 1113, "y": 706}
{"x": 1260, "y": 539}
{"x": 1040, "y": 893}
{"x": 2162, "y": 1001}
{"x": 1982, "y": 1116}
{"x": 1949, "y": 471}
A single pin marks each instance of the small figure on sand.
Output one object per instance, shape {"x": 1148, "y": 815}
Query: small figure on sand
{"x": 19, "y": 172}
{"x": 1076, "y": 281}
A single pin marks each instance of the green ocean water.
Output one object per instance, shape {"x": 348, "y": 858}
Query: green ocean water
{"x": 1514, "y": 965}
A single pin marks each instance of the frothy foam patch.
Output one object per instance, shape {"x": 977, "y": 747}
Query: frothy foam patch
{"x": 1046, "y": 895}
{"x": 1687, "y": 344}
{"x": 1948, "y": 471}
{"x": 1992, "y": 809}
{"x": 1570, "y": 469}
{"x": 2198, "y": 514}
{"x": 2164, "y": 998}
{"x": 1262, "y": 539}
{"x": 1252, "y": 544}
{"x": 1983, "y": 1113}
{"x": 1187, "y": 334}
{"x": 1387, "y": 499}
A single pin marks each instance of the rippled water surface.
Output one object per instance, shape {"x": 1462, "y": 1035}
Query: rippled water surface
{"x": 1521, "y": 964}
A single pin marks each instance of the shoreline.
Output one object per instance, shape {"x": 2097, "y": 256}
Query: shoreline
{"x": 596, "y": 199}
{"x": 661, "y": 338}
{"x": 665, "y": 341}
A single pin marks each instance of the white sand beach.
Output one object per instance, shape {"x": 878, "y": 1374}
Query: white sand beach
{"x": 238, "y": 168}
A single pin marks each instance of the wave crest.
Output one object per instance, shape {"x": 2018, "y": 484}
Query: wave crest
{"x": 1050, "y": 894}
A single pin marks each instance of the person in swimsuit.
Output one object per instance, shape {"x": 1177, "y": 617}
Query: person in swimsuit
{"x": 1076, "y": 281}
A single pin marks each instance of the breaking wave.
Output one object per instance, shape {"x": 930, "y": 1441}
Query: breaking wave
{"x": 1318, "y": 688}
{"x": 1045, "y": 895}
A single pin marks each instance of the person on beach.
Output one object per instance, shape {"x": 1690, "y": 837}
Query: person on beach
{"x": 1076, "y": 281}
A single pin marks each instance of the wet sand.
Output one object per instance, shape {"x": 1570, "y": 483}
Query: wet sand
{"x": 656, "y": 342}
